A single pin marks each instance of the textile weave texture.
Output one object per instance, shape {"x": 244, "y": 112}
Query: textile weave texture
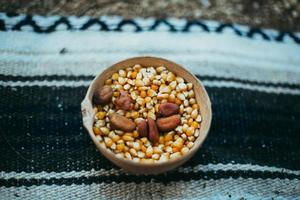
{"x": 252, "y": 77}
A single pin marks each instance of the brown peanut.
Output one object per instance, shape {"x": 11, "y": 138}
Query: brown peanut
{"x": 168, "y": 123}
{"x": 120, "y": 122}
{"x": 124, "y": 101}
{"x": 153, "y": 131}
{"x": 142, "y": 128}
{"x": 168, "y": 109}
{"x": 103, "y": 95}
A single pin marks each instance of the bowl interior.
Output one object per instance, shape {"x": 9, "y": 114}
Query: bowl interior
{"x": 201, "y": 97}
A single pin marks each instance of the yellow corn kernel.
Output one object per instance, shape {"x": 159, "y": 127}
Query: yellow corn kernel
{"x": 96, "y": 131}
{"x": 108, "y": 142}
{"x": 149, "y": 152}
{"x": 195, "y": 106}
{"x": 144, "y": 140}
{"x": 135, "y": 134}
{"x": 161, "y": 140}
{"x": 178, "y": 143}
{"x": 172, "y": 98}
{"x": 133, "y": 74}
{"x": 194, "y": 114}
{"x": 168, "y": 137}
{"x": 190, "y": 145}
{"x": 128, "y": 115}
{"x": 147, "y": 99}
{"x": 115, "y": 76}
{"x": 133, "y": 152}
{"x": 116, "y": 94}
{"x": 190, "y": 131}
{"x": 135, "y": 114}
{"x": 170, "y": 77}
{"x": 143, "y": 148}
{"x": 175, "y": 149}
{"x": 151, "y": 93}
{"x": 122, "y": 73}
{"x": 139, "y": 83}
{"x": 154, "y": 87}
{"x": 143, "y": 94}
{"x": 101, "y": 115}
{"x": 120, "y": 147}
{"x": 195, "y": 124}
{"x": 178, "y": 102}
{"x": 127, "y": 137}
{"x": 190, "y": 121}
{"x": 108, "y": 82}
{"x": 160, "y": 69}
{"x": 184, "y": 150}
{"x": 104, "y": 130}
{"x": 115, "y": 138}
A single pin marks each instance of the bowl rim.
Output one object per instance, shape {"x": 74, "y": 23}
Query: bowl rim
{"x": 87, "y": 103}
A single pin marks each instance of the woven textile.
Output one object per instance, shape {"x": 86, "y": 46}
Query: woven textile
{"x": 252, "y": 77}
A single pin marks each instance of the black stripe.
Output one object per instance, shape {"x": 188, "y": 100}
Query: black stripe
{"x": 162, "y": 178}
{"x": 41, "y": 130}
{"x": 104, "y": 26}
{"x": 90, "y": 78}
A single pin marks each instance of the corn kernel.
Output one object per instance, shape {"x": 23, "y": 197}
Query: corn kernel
{"x": 194, "y": 114}
{"x": 136, "y": 146}
{"x": 184, "y": 150}
{"x": 144, "y": 140}
{"x": 143, "y": 148}
{"x": 120, "y": 155}
{"x": 170, "y": 77}
{"x": 191, "y": 138}
{"x": 139, "y": 83}
{"x": 115, "y": 76}
{"x": 179, "y": 79}
{"x": 190, "y": 145}
{"x": 175, "y": 155}
{"x": 121, "y": 80}
{"x": 115, "y": 138}
{"x": 195, "y": 106}
{"x": 161, "y": 140}
{"x": 126, "y": 87}
{"x": 108, "y": 82}
{"x": 168, "y": 137}
{"x": 192, "y": 101}
{"x": 127, "y": 138}
{"x": 175, "y": 149}
{"x": 104, "y": 130}
{"x": 164, "y": 157}
{"x": 108, "y": 142}
{"x": 151, "y": 93}
{"x": 178, "y": 102}
{"x": 182, "y": 87}
{"x": 181, "y": 96}
{"x": 137, "y": 67}
{"x": 143, "y": 94}
{"x": 122, "y": 73}
{"x": 165, "y": 89}
{"x": 155, "y": 156}
{"x": 199, "y": 118}
{"x": 154, "y": 87}
{"x": 96, "y": 131}
{"x": 191, "y": 94}
{"x": 160, "y": 69}
{"x": 190, "y": 131}
{"x": 128, "y": 155}
{"x": 100, "y": 115}
{"x": 195, "y": 124}
{"x": 133, "y": 74}
{"x": 133, "y": 152}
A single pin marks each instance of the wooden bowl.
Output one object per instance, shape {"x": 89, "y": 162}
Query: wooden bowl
{"x": 147, "y": 168}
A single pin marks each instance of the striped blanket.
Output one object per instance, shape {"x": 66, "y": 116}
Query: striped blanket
{"x": 252, "y": 77}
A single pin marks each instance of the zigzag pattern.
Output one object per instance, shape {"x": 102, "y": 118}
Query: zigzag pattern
{"x": 15, "y": 22}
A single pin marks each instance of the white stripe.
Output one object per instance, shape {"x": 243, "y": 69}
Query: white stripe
{"x": 117, "y": 172}
{"x": 206, "y": 54}
{"x": 250, "y": 189}
{"x": 219, "y": 84}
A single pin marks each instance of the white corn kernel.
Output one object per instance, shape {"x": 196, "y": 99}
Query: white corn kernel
{"x": 179, "y": 79}
{"x": 164, "y": 157}
{"x": 169, "y": 149}
{"x": 186, "y": 103}
{"x": 136, "y": 146}
{"x": 182, "y": 87}
{"x": 189, "y": 86}
{"x": 192, "y": 101}
{"x": 170, "y": 77}
{"x": 190, "y": 145}
{"x": 173, "y": 85}
{"x": 113, "y": 146}
{"x": 126, "y": 87}
{"x": 183, "y": 136}
{"x": 133, "y": 152}
{"x": 179, "y": 129}
{"x": 128, "y": 155}
{"x": 135, "y": 159}
{"x": 197, "y": 133}
{"x": 139, "y": 76}
{"x": 165, "y": 89}
{"x": 121, "y": 80}
{"x": 155, "y": 156}
{"x": 194, "y": 114}
{"x": 189, "y": 110}
{"x": 175, "y": 155}
{"x": 140, "y": 154}
{"x": 198, "y": 119}
{"x": 191, "y": 94}
{"x": 184, "y": 150}
{"x": 139, "y": 83}
{"x": 119, "y": 132}
{"x": 104, "y": 130}
{"x": 181, "y": 96}
{"x": 162, "y": 96}
{"x": 99, "y": 138}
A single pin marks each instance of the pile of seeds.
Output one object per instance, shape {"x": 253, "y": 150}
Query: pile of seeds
{"x": 146, "y": 114}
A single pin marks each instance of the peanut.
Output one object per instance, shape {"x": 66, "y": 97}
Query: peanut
{"x": 122, "y": 123}
{"x": 124, "y": 102}
{"x": 168, "y": 123}
{"x": 142, "y": 128}
{"x": 168, "y": 109}
{"x": 153, "y": 131}
{"x": 103, "y": 95}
